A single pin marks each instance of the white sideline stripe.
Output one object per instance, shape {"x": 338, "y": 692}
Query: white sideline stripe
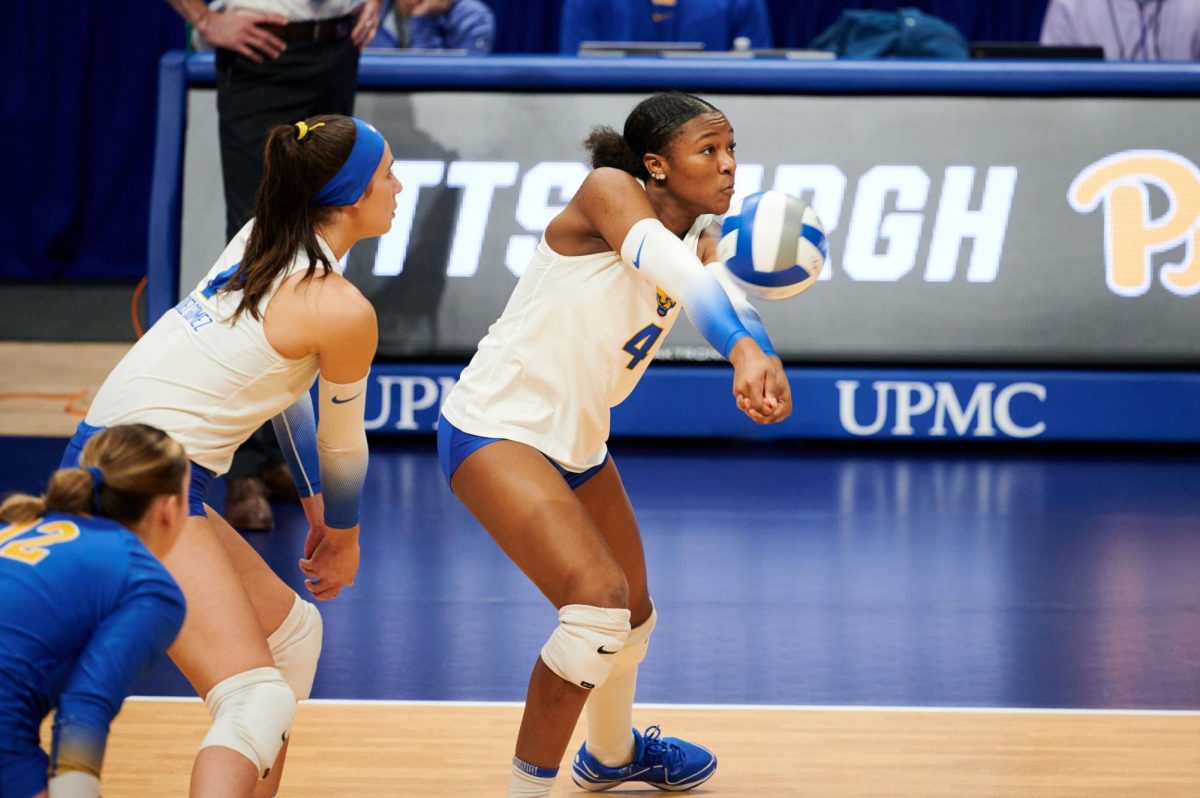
{"x": 1183, "y": 713}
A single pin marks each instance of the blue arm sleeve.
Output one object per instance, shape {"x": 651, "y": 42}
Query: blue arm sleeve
{"x": 741, "y": 304}
{"x": 139, "y": 629}
{"x": 296, "y": 429}
{"x": 663, "y": 259}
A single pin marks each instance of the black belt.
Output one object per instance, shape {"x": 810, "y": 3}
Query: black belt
{"x": 315, "y": 30}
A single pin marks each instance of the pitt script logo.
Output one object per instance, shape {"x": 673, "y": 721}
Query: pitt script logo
{"x": 1131, "y": 237}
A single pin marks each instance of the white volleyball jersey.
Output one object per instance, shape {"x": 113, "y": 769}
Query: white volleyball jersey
{"x": 206, "y": 382}
{"x": 573, "y": 341}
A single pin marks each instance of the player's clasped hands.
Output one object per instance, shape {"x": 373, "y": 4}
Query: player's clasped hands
{"x": 330, "y": 560}
{"x": 760, "y": 385}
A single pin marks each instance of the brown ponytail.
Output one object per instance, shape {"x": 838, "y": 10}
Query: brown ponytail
{"x": 609, "y": 148}
{"x": 69, "y": 491}
{"x": 285, "y": 218}
{"x": 136, "y": 463}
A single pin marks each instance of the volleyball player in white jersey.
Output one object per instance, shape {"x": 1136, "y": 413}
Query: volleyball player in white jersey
{"x": 271, "y": 316}
{"x": 522, "y": 435}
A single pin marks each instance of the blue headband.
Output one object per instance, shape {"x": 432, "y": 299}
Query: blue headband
{"x": 345, "y": 187}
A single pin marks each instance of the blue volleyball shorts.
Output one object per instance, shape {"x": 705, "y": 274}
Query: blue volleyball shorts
{"x": 454, "y": 446}
{"x": 197, "y": 490}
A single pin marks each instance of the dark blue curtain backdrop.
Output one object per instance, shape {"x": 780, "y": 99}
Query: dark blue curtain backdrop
{"x": 78, "y": 91}
{"x": 527, "y": 26}
{"x": 78, "y": 94}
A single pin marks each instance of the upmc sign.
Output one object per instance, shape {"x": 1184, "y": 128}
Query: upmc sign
{"x": 987, "y": 412}
{"x": 948, "y": 404}
{"x": 409, "y": 402}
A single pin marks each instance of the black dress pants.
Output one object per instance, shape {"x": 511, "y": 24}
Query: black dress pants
{"x": 317, "y": 77}
{"x": 310, "y": 78}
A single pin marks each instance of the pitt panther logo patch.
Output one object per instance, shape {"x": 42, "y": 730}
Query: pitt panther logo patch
{"x": 665, "y": 303}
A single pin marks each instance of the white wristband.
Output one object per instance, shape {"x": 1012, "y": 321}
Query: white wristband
{"x": 74, "y": 784}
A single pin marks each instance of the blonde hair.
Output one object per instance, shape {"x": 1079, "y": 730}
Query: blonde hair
{"x": 135, "y": 463}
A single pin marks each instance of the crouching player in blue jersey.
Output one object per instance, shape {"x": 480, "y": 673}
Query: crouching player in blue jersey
{"x": 273, "y": 315}
{"x": 522, "y": 435}
{"x": 84, "y": 604}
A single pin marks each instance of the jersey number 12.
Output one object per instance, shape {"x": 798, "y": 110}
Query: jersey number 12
{"x": 32, "y": 550}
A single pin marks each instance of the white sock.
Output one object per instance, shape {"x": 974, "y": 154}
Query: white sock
{"x": 610, "y": 706}
{"x": 610, "y": 721}
{"x": 530, "y": 781}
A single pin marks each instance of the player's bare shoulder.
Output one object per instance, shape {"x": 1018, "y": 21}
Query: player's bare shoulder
{"x": 307, "y": 313}
{"x": 577, "y": 229}
{"x": 325, "y": 292}
{"x": 342, "y": 303}
{"x": 609, "y": 183}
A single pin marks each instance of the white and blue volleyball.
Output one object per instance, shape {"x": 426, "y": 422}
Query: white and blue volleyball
{"x": 775, "y": 246}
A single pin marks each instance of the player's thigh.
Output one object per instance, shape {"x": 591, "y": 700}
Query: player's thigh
{"x": 221, "y": 635}
{"x": 531, "y": 513}
{"x": 272, "y": 599}
{"x": 604, "y": 498}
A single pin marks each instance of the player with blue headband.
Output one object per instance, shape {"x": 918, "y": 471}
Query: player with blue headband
{"x": 272, "y": 316}
{"x": 351, "y": 180}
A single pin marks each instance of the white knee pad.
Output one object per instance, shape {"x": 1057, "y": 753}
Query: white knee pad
{"x": 296, "y": 647}
{"x": 587, "y": 641}
{"x": 636, "y": 646}
{"x": 252, "y": 714}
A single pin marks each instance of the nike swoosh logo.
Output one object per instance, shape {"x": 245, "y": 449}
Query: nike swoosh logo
{"x": 337, "y": 401}
{"x": 637, "y": 259}
{"x": 601, "y": 650}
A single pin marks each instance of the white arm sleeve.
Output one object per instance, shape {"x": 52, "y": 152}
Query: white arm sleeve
{"x": 342, "y": 447}
{"x": 664, "y": 261}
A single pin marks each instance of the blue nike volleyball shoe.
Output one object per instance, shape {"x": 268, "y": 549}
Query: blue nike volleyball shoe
{"x": 667, "y": 763}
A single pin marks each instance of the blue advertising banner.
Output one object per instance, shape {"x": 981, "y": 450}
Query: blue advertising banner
{"x": 898, "y": 404}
